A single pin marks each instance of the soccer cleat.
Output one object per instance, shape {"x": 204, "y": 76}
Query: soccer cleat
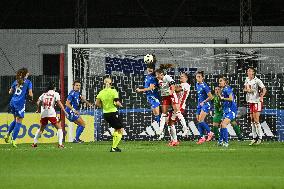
{"x": 7, "y": 138}
{"x": 78, "y": 141}
{"x": 173, "y": 143}
{"x": 75, "y": 141}
{"x": 61, "y": 146}
{"x": 115, "y": 149}
{"x": 34, "y": 145}
{"x": 258, "y": 142}
{"x": 252, "y": 142}
{"x": 14, "y": 144}
{"x": 201, "y": 140}
{"x": 219, "y": 143}
{"x": 226, "y": 144}
{"x": 209, "y": 137}
{"x": 81, "y": 141}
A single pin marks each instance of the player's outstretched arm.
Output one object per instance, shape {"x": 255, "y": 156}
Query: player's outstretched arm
{"x": 85, "y": 101}
{"x": 178, "y": 88}
{"x": 98, "y": 103}
{"x": 172, "y": 87}
{"x": 31, "y": 95}
{"x": 210, "y": 97}
{"x": 61, "y": 106}
{"x": 11, "y": 91}
{"x": 245, "y": 88}
{"x": 117, "y": 102}
{"x": 68, "y": 104}
{"x": 262, "y": 93}
{"x": 227, "y": 99}
{"x": 152, "y": 87}
{"x": 38, "y": 106}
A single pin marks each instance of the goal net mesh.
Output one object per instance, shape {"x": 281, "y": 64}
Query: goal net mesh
{"x": 127, "y": 69}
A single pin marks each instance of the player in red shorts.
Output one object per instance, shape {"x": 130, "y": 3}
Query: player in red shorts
{"x": 183, "y": 92}
{"x": 254, "y": 98}
{"x": 48, "y": 113}
{"x": 169, "y": 97}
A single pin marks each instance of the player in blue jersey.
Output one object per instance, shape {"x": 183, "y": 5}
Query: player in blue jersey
{"x": 229, "y": 110}
{"x": 151, "y": 91}
{"x": 203, "y": 107}
{"x": 72, "y": 108}
{"x": 20, "y": 89}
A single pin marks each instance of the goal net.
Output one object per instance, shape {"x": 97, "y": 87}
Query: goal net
{"x": 124, "y": 63}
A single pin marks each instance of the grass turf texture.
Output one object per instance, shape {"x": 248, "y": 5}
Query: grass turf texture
{"x": 143, "y": 165}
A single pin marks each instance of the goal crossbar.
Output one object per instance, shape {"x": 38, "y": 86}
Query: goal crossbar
{"x": 268, "y": 45}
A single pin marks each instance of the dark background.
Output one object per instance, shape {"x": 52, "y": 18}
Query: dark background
{"x": 137, "y": 13}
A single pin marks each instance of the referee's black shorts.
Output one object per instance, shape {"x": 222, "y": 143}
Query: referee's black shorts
{"x": 113, "y": 120}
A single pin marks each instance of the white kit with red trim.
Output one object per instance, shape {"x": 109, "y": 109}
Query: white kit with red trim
{"x": 48, "y": 101}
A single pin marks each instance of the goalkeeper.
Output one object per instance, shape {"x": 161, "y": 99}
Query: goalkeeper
{"x": 108, "y": 100}
{"x": 218, "y": 114}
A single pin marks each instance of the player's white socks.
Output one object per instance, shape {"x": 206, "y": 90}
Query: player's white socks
{"x": 253, "y": 130}
{"x": 169, "y": 130}
{"x": 37, "y": 135}
{"x": 258, "y": 130}
{"x": 60, "y": 136}
{"x": 173, "y": 133}
{"x": 182, "y": 121}
{"x": 163, "y": 122}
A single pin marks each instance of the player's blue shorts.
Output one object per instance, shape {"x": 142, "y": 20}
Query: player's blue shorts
{"x": 205, "y": 108}
{"x": 71, "y": 116}
{"x": 17, "y": 110}
{"x": 231, "y": 115}
{"x": 154, "y": 101}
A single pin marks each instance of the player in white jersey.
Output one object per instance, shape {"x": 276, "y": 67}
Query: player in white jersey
{"x": 48, "y": 113}
{"x": 254, "y": 97}
{"x": 169, "y": 97}
{"x": 183, "y": 92}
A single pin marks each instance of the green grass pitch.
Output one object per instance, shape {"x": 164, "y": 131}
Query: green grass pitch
{"x": 144, "y": 165}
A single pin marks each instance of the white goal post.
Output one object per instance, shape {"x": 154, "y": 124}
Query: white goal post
{"x": 88, "y": 62}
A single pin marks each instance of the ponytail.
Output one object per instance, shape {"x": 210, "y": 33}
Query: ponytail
{"x": 20, "y": 77}
{"x": 166, "y": 66}
{"x": 107, "y": 82}
{"x": 163, "y": 67}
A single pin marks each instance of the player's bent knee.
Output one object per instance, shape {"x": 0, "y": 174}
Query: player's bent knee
{"x": 200, "y": 120}
{"x": 224, "y": 125}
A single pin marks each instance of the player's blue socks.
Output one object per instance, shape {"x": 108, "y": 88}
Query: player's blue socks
{"x": 205, "y": 126}
{"x": 221, "y": 135}
{"x": 16, "y": 130}
{"x": 200, "y": 129}
{"x": 11, "y": 127}
{"x": 225, "y": 135}
{"x": 79, "y": 131}
{"x": 157, "y": 118}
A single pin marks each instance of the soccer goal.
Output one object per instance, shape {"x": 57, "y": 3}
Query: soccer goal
{"x": 90, "y": 63}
